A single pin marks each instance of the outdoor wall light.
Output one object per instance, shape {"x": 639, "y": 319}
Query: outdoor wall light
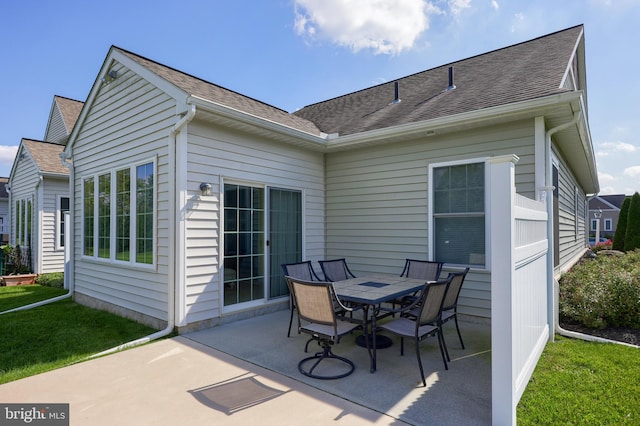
{"x": 110, "y": 76}
{"x": 206, "y": 189}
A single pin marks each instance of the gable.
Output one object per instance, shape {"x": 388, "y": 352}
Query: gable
{"x": 63, "y": 116}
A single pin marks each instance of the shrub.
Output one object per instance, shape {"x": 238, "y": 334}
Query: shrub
{"x": 621, "y": 228}
{"x": 602, "y": 246}
{"x": 632, "y": 233}
{"x": 52, "y": 279}
{"x": 604, "y": 292}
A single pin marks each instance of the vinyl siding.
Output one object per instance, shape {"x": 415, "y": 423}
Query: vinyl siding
{"x": 129, "y": 122}
{"x": 377, "y": 199}
{"x": 572, "y": 244}
{"x": 216, "y": 155}
{"x": 56, "y": 131}
{"x": 52, "y": 259}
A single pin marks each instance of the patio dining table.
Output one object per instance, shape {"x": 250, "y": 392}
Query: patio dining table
{"x": 370, "y": 292}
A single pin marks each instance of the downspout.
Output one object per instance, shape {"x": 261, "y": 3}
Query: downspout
{"x": 68, "y": 280}
{"x": 172, "y": 288}
{"x": 552, "y": 300}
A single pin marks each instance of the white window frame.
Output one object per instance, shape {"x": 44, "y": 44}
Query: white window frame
{"x": 131, "y": 263}
{"x": 59, "y": 217}
{"x": 608, "y": 224}
{"x": 487, "y": 212}
{"x": 594, "y": 224}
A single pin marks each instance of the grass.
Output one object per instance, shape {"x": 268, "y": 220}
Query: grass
{"x": 55, "y": 335}
{"x": 21, "y": 295}
{"x": 578, "y": 382}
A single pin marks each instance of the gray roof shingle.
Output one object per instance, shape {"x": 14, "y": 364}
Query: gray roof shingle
{"x": 521, "y": 72}
{"x": 70, "y": 111}
{"x": 46, "y": 155}
{"x": 214, "y": 93}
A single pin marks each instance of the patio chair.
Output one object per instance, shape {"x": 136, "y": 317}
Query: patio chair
{"x": 420, "y": 269}
{"x": 450, "y": 305}
{"x": 302, "y": 270}
{"x": 315, "y": 305}
{"x": 427, "y": 323}
{"x": 335, "y": 270}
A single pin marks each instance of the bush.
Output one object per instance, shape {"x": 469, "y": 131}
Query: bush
{"x": 621, "y": 228}
{"x": 52, "y": 279}
{"x": 604, "y": 292}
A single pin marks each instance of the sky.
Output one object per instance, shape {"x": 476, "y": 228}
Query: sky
{"x": 292, "y": 53}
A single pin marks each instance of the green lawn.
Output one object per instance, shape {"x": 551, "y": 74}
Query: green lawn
{"x": 54, "y": 335}
{"x": 586, "y": 383}
{"x": 21, "y": 295}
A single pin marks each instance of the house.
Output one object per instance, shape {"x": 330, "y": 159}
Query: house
{"x": 187, "y": 196}
{"x": 607, "y": 207}
{"x": 39, "y": 190}
{"x": 4, "y": 210}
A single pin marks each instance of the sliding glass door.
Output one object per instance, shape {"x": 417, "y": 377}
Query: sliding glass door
{"x": 247, "y": 251}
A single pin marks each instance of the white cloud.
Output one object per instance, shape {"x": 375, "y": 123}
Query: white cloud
{"x": 633, "y": 171}
{"x": 605, "y": 177}
{"x": 518, "y": 21}
{"x": 385, "y": 26}
{"x": 602, "y": 154}
{"x": 7, "y": 154}
{"x": 457, "y": 6}
{"x": 495, "y": 5}
{"x": 619, "y": 146}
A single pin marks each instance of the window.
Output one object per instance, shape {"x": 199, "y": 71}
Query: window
{"x": 608, "y": 225}
{"x": 594, "y": 224}
{"x": 459, "y": 214}
{"x": 119, "y": 215}
{"x": 63, "y": 207}
{"x": 23, "y": 222}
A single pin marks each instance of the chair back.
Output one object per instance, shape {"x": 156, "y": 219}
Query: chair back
{"x": 422, "y": 269}
{"x": 302, "y": 270}
{"x": 432, "y": 299}
{"x": 335, "y": 270}
{"x": 451, "y": 299}
{"x": 314, "y": 300}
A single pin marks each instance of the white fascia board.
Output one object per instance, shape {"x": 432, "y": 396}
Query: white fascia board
{"x": 241, "y": 116}
{"x": 502, "y": 112}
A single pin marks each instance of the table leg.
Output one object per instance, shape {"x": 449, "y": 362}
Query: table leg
{"x": 373, "y": 339}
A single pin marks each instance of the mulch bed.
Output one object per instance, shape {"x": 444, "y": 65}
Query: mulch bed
{"x": 620, "y": 334}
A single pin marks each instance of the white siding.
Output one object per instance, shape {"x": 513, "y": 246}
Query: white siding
{"x": 130, "y": 121}
{"x": 23, "y": 186}
{"x": 377, "y": 199}
{"x": 52, "y": 257}
{"x": 572, "y": 244}
{"x": 216, "y": 154}
{"x": 56, "y": 131}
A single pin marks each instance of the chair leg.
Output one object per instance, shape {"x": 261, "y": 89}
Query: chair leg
{"x": 458, "y": 329}
{"x": 424, "y": 383}
{"x": 326, "y": 353}
{"x": 290, "y": 323}
{"x": 444, "y": 343}
{"x": 440, "y": 343}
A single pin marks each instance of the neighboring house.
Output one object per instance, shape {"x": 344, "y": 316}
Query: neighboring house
{"x": 608, "y": 207}
{"x": 39, "y": 190}
{"x": 4, "y": 210}
{"x": 187, "y": 196}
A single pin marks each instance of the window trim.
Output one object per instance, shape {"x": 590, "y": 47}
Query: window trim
{"x": 59, "y": 216}
{"x": 112, "y": 172}
{"x": 487, "y": 210}
{"x": 608, "y": 221}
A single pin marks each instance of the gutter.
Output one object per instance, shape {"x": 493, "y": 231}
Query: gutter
{"x": 172, "y": 289}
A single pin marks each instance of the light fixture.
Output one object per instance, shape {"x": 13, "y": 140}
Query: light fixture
{"x": 597, "y": 214}
{"x": 206, "y": 189}
{"x": 110, "y": 76}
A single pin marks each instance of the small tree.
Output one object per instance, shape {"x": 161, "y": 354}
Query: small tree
{"x": 621, "y": 228}
{"x": 632, "y": 234}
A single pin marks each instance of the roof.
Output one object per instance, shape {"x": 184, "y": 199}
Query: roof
{"x": 521, "y": 72}
{"x": 46, "y": 155}
{"x": 3, "y": 188}
{"x": 70, "y": 111}
{"x": 607, "y": 201}
{"x": 218, "y": 94}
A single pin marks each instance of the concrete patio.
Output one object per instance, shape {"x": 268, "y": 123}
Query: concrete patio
{"x": 246, "y": 371}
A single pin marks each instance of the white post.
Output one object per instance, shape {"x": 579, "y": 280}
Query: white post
{"x": 597, "y": 214}
{"x": 501, "y": 228}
